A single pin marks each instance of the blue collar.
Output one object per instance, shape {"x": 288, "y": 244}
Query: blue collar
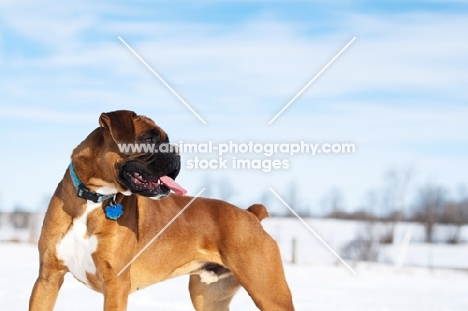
{"x": 85, "y": 193}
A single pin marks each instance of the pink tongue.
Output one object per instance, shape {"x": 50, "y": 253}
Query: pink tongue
{"x": 171, "y": 184}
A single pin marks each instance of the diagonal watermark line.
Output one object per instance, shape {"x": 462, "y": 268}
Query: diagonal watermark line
{"x": 311, "y": 81}
{"x": 160, "y": 232}
{"x": 313, "y": 231}
{"x": 162, "y": 80}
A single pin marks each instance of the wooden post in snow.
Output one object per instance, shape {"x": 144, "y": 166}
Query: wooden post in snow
{"x": 293, "y": 251}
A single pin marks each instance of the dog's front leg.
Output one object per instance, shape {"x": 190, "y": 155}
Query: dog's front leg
{"x": 115, "y": 288}
{"x": 116, "y": 295}
{"x": 47, "y": 286}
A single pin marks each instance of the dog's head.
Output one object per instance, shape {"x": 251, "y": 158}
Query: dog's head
{"x": 132, "y": 154}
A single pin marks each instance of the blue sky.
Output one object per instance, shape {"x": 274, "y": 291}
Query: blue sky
{"x": 399, "y": 91}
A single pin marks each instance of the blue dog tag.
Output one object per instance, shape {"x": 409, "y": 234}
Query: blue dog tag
{"x": 114, "y": 211}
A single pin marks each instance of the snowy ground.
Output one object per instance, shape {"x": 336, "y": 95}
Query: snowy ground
{"x": 314, "y": 287}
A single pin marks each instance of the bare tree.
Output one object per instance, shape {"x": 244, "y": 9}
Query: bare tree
{"x": 19, "y": 218}
{"x": 266, "y": 198}
{"x": 396, "y": 185}
{"x": 332, "y": 202}
{"x": 462, "y": 217}
{"x": 456, "y": 213}
{"x": 1, "y": 213}
{"x": 292, "y": 199}
{"x": 431, "y": 200}
{"x": 371, "y": 202}
{"x": 365, "y": 246}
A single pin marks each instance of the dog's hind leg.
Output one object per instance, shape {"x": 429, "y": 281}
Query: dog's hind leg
{"x": 259, "y": 270}
{"x": 214, "y": 296}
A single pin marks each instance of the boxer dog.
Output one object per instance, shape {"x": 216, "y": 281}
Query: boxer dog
{"x": 110, "y": 204}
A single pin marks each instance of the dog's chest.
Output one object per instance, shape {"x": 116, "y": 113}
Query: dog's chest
{"x": 76, "y": 247}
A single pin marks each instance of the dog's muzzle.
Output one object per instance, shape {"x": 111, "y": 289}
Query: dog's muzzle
{"x": 151, "y": 175}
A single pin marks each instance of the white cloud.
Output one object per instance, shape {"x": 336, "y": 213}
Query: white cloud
{"x": 419, "y": 54}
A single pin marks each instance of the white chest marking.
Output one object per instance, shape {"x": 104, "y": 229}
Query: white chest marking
{"x": 75, "y": 248}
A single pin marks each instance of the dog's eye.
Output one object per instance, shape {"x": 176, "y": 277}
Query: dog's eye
{"x": 147, "y": 140}
{"x": 151, "y": 137}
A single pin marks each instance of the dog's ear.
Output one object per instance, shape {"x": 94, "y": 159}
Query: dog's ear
{"x": 120, "y": 125}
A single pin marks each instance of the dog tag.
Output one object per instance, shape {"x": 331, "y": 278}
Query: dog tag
{"x": 114, "y": 211}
